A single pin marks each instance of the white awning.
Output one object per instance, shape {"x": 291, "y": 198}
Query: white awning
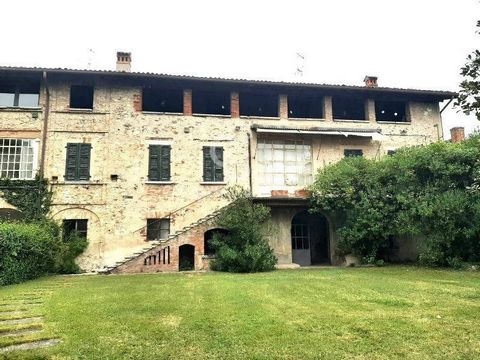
{"x": 375, "y": 135}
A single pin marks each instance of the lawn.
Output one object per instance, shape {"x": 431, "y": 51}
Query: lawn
{"x": 332, "y": 313}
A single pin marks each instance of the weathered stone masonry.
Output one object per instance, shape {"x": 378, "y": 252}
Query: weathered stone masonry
{"x": 118, "y": 198}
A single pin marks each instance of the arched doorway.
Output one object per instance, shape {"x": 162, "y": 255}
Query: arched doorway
{"x": 186, "y": 257}
{"x": 310, "y": 239}
{"x": 207, "y": 238}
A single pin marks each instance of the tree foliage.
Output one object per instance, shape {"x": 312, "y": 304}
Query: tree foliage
{"x": 469, "y": 95}
{"x": 432, "y": 190}
{"x": 245, "y": 247}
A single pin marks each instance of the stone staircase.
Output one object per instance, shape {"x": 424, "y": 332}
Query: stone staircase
{"x": 143, "y": 257}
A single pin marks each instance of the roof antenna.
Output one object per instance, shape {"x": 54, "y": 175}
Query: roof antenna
{"x": 300, "y": 58}
{"x": 91, "y": 53}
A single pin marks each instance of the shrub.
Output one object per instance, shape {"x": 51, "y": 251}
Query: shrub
{"x": 73, "y": 246}
{"x": 27, "y": 251}
{"x": 431, "y": 190}
{"x": 245, "y": 247}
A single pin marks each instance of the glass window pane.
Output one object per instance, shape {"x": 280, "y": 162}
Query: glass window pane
{"x": 28, "y": 100}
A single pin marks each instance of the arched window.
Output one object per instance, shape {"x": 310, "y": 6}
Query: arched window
{"x": 208, "y": 236}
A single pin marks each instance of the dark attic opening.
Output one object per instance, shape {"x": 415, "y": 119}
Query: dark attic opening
{"x": 390, "y": 111}
{"x": 348, "y": 108}
{"x": 19, "y": 92}
{"x": 258, "y": 104}
{"x": 211, "y": 102}
{"x": 305, "y": 107}
{"x": 162, "y": 99}
{"x": 81, "y": 97}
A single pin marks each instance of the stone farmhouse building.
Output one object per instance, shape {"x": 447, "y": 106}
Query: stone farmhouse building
{"x": 139, "y": 162}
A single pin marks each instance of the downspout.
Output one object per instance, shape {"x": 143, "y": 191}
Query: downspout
{"x": 250, "y": 164}
{"x": 45, "y": 125}
{"x": 440, "y": 130}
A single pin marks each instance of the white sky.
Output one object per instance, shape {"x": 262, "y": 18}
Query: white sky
{"x": 406, "y": 43}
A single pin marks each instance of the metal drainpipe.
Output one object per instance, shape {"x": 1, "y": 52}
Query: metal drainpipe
{"x": 250, "y": 164}
{"x": 45, "y": 125}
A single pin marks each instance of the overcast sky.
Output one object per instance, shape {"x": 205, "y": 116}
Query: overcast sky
{"x": 406, "y": 43}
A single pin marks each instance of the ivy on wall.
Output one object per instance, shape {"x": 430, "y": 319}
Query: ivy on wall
{"x": 31, "y": 197}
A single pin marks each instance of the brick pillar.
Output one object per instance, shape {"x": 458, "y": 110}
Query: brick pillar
{"x": 457, "y": 134}
{"x": 370, "y": 111}
{"x": 137, "y": 102}
{"x": 187, "y": 102}
{"x": 327, "y": 108}
{"x": 283, "y": 106}
{"x": 235, "y": 104}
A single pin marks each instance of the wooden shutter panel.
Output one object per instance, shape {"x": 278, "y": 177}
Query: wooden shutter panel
{"x": 154, "y": 162}
{"x": 208, "y": 169}
{"x": 218, "y": 164}
{"x": 165, "y": 163}
{"x": 71, "y": 162}
{"x": 84, "y": 162}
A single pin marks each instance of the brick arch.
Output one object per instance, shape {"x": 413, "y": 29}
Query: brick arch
{"x": 76, "y": 213}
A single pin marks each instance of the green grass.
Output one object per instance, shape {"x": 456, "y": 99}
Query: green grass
{"x": 348, "y": 313}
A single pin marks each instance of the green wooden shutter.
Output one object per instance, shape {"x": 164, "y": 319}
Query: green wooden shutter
{"x": 84, "y": 162}
{"x": 154, "y": 163}
{"x": 218, "y": 164}
{"x": 165, "y": 163}
{"x": 208, "y": 169}
{"x": 71, "y": 162}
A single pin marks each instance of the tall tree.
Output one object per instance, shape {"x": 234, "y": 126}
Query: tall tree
{"x": 469, "y": 95}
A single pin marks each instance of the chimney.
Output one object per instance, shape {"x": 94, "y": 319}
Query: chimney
{"x": 124, "y": 61}
{"x": 370, "y": 81}
{"x": 457, "y": 134}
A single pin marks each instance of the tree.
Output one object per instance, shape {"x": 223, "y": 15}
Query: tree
{"x": 244, "y": 247}
{"x": 469, "y": 94}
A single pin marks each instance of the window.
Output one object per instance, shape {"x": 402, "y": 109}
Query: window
{"x": 159, "y": 162}
{"x": 211, "y": 102}
{"x": 162, "y": 100}
{"x": 348, "y": 108}
{"x": 18, "y": 158}
{"x": 300, "y": 237}
{"x": 284, "y": 162}
{"x": 212, "y": 164}
{"x": 75, "y": 226}
{"x": 158, "y": 229}
{"x": 305, "y": 106}
{"x": 353, "y": 153}
{"x": 391, "y": 152}
{"x": 81, "y": 97}
{"x": 78, "y": 162}
{"x": 208, "y": 236}
{"x": 24, "y": 94}
{"x": 390, "y": 111}
{"x": 258, "y": 104}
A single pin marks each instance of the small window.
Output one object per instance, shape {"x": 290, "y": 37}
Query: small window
{"x": 212, "y": 164}
{"x": 305, "y": 107}
{"x": 162, "y": 100}
{"x": 348, "y": 108}
{"x": 211, "y": 102}
{"x": 300, "y": 236}
{"x": 158, "y": 229}
{"x": 159, "y": 162}
{"x": 75, "y": 226}
{"x": 23, "y": 94}
{"x": 78, "y": 162}
{"x": 81, "y": 97}
{"x": 390, "y": 111}
{"x": 258, "y": 104}
{"x": 391, "y": 152}
{"x": 353, "y": 153}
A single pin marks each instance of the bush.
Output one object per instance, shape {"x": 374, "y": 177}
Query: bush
{"x": 31, "y": 250}
{"x": 245, "y": 247}
{"x": 27, "y": 251}
{"x": 431, "y": 190}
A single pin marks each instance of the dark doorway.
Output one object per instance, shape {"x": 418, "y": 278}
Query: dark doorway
{"x": 186, "y": 257}
{"x": 207, "y": 238}
{"x": 310, "y": 239}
